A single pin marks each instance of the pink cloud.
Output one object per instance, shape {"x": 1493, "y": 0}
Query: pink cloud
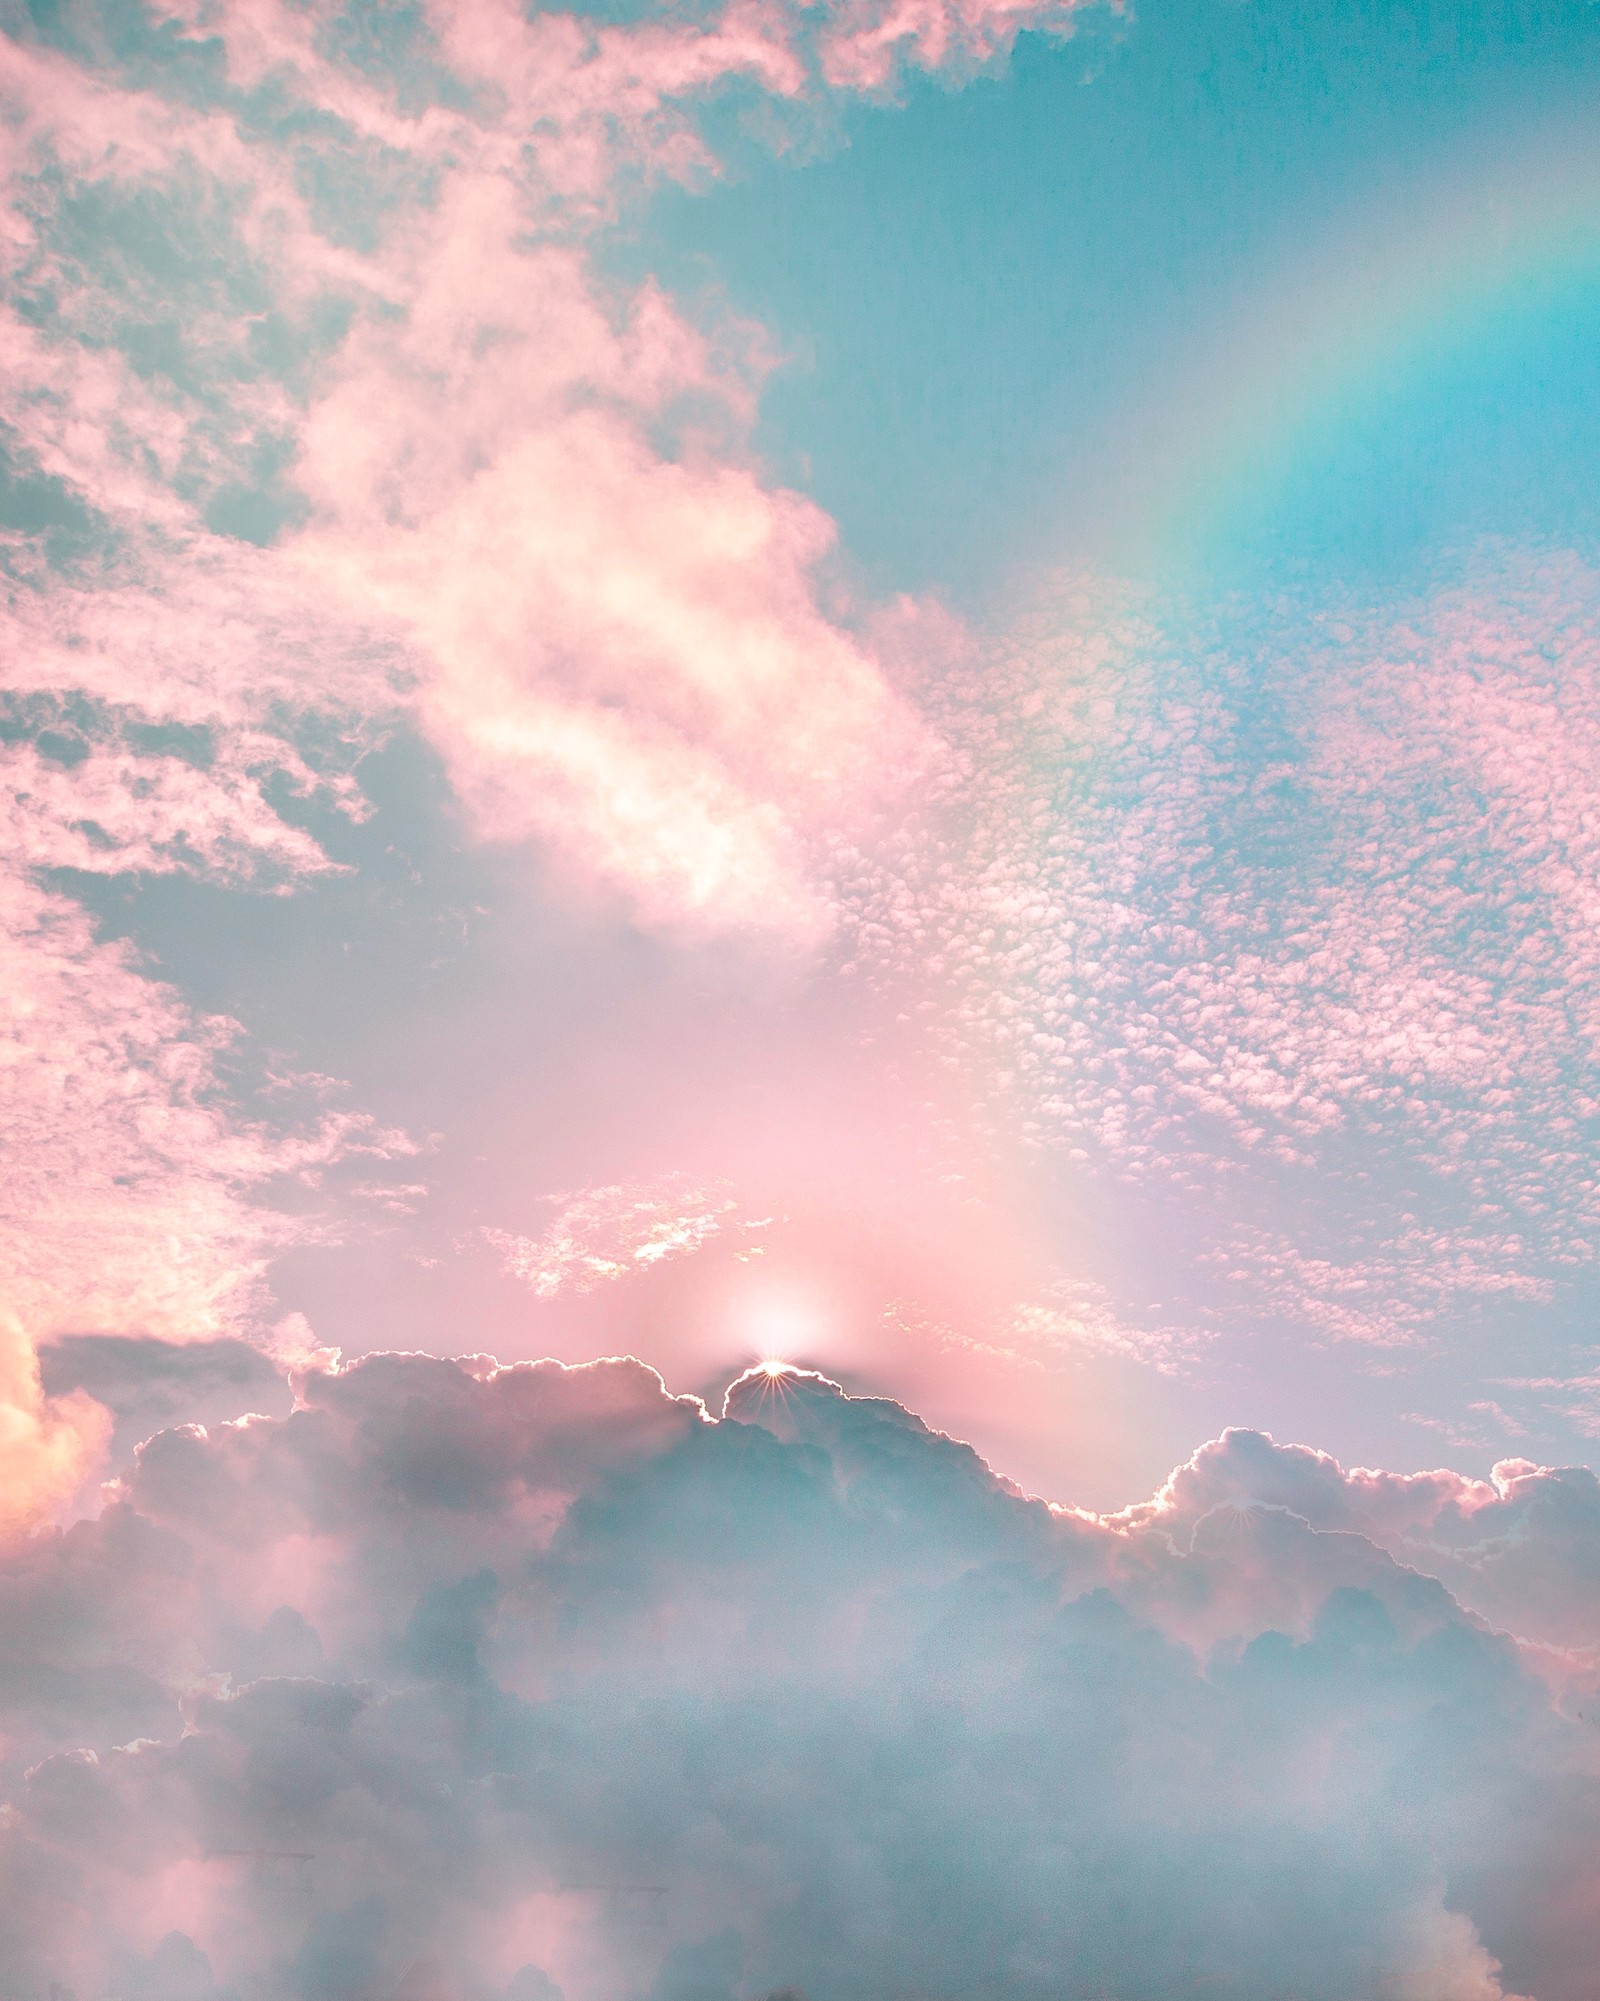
{"x": 128, "y": 1203}
{"x": 131, "y": 1194}
{"x": 622, "y": 653}
{"x": 608, "y": 1233}
{"x": 867, "y": 41}
{"x": 1522, "y": 1548}
{"x": 1208, "y": 971}
{"x": 596, "y": 98}
{"x": 618, "y": 650}
{"x": 535, "y": 533}
{"x": 48, "y": 1445}
{"x": 133, "y": 1198}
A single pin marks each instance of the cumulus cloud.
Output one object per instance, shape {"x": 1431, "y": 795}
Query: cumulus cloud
{"x": 47, "y": 1443}
{"x": 490, "y": 1681}
{"x": 149, "y": 1385}
{"x": 1522, "y": 1548}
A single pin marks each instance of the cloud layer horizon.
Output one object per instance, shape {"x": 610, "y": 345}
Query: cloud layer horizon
{"x": 479, "y": 1681}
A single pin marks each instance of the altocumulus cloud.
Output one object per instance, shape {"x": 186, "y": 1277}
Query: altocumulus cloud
{"x": 480, "y": 1681}
{"x": 1293, "y": 900}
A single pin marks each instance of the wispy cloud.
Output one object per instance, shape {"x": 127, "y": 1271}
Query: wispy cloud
{"x": 608, "y": 1233}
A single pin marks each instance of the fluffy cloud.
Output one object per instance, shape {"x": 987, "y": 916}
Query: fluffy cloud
{"x": 278, "y": 284}
{"x": 489, "y": 1681}
{"x": 1522, "y": 1548}
{"x": 149, "y": 1385}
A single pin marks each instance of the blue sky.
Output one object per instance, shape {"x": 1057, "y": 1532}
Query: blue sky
{"x": 983, "y": 288}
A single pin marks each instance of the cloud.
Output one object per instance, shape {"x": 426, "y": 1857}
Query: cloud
{"x": 133, "y": 1197}
{"x": 619, "y": 652}
{"x": 606, "y": 1233}
{"x": 1285, "y": 914}
{"x": 149, "y": 1385}
{"x": 47, "y": 1443}
{"x": 868, "y": 41}
{"x": 506, "y": 501}
{"x": 129, "y": 1203}
{"x": 511, "y": 1681}
{"x": 1522, "y": 1548}
{"x": 319, "y": 422}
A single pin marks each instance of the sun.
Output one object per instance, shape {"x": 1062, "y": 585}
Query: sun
{"x": 774, "y": 1369}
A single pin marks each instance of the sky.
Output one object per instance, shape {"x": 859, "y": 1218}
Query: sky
{"x": 790, "y": 787}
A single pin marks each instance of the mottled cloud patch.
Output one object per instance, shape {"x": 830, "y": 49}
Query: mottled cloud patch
{"x": 1285, "y": 915}
{"x": 868, "y": 41}
{"x": 144, "y": 735}
{"x": 533, "y": 1681}
{"x": 129, "y": 1206}
{"x": 1067, "y": 1319}
{"x": 134, "y": 1198}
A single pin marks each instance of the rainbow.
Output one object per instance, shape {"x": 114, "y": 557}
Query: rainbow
{"x": 1403, "y": 287}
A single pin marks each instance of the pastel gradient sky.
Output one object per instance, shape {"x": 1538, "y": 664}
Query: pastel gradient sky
{"x": 910, "y": 687}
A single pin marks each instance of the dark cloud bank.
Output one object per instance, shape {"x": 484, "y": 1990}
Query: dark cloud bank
{"x": 466, "y": 1683}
